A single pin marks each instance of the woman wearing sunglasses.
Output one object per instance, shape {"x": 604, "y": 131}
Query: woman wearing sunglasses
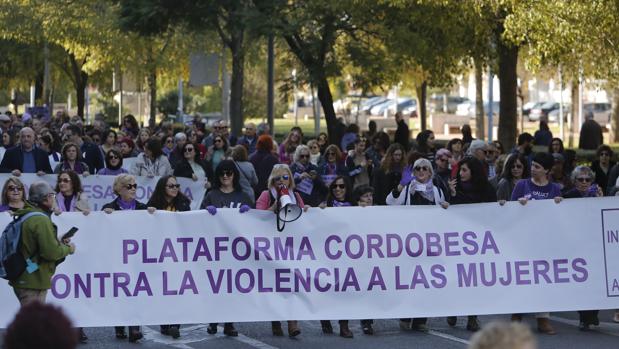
{"x": 70, "y": 197}
{"x": 280, "y": 177}
{"x": 340, "y": 195}
{"x": 13, "y": 195}
{"x": 113, "y": 164}
{"x": 332, "y": 166}
{"x": 416, "y": 188}
{"x": 307, "y": 181}
{"x": 191, "y": 166}
{"x": 515, "y": 169}
{"x": 167, "y": 196}
{"x": 226, "y": 193}
{"x": 125, "y": 189}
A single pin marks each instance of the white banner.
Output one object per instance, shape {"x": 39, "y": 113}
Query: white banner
{"x": 100, "y": 189}
{"x": 337, "y": 263}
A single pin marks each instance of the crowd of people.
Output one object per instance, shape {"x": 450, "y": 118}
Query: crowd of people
{"x": 357, "y": 169}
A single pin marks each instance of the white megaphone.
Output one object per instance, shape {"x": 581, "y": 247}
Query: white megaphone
{"x": 287, "y": 208}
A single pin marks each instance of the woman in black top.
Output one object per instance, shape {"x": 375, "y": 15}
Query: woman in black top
{"x": 191, "y": 166}
{"x": 388, "y": 175}
{"x": 601, "y": 167}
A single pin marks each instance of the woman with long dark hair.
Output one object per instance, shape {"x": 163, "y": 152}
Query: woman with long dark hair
{"x": 332, "y": 166}
{"x": 386, "y": 177}
{"x": 339, "y": 195}
{"x": 516, "y": 168}
{"x": 470, "y": 186}
{"x": 425, "y": 144}
{"x": 556, "y": 146}
{"x": 602, "y": 166}
{"x": 191, "y": 166}
{"x": 289, "y": 145}
{"x": 168, "y": 196}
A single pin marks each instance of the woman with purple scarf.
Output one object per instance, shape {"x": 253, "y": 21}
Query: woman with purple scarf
{"x": 71, "y": 160}
{"x": 125, "y": 187}
{"x": 71, "y": 198}
{"x": 340, "y": 195}
{"x": 113, "y": 164}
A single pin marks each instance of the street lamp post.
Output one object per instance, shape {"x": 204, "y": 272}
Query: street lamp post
{"x": 296, "y": 104}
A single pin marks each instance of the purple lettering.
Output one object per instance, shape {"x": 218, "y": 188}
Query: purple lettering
{"x": 202, "y": 251}
{"x": 518, "y": 265}
{"x": 360, "y": 249}
{"x": 350, "y": 280}
{"x": 489, "y": 244}
{"x": 185, "y": 241}
{"x": 375, "y": 242}
{"x": 558, "y": 270}
{"x": 581, "y": 273}
{"x": 338, "y": 252}
{"x": 128, "y": 251}
{"x": 376, "y": 279}
{"x": 121, "y": 281}
{"x": 246, "y": 250}
{"x": 80, "y": 285}
{"x": 306, "y": 249}
{"x": 101, "y": 277}
{"x": 188, "y": 284}
{"x": 250, "y": 279}
{"x": 487, "y": 280}
{"x": 142, "y": 285}
{"x": 467, "y": 278}
{"x": 262, "y": 244}
{"x": 145, "y": 258}
{"x": 215, "y": 284}
{"x": 219, "y": 247}
{"x": 408, "y": 241}
{"x": 317, "y": 284}
{"x": 398, "y": 284}
{"x": 541, "y": 268}
{"x": 261, "y": 287}
{"x": 394, "y": 245}
{"x": 166, "y": 291}
{"x": 451, "y": 241}
{"x": 283, "y": 251}
{"x": 282, "y": 276}
{"x": 55, "y": 286}
{"x": 469, "y": 238}
{"x": 168, "y": 251}
{"x": 438, "y": 272}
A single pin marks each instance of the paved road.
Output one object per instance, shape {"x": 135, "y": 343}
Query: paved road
{"x": 256, "y": 335}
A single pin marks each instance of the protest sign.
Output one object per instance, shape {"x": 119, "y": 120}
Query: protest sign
{"x": 338, "y": 263}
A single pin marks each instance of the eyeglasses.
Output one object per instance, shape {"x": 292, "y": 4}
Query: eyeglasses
{"x": 339, "y": 186}
{"x": 51, "y": 194}
{"x": 330, "y": 154}
{"x": 584, "y": 179}
{"x": 439, "y": 159}
{"x": 518, "y": 166}
{"x": 15, "y": 188}
{"x": 173, "y": 186}
{"x": 131, "y": 186}
{"x": 303, "y": 156}
{"x": 604, "y": 154}
{"x": 169, "y": 141}
{"x": 218, "y": 141}
{"x": 226, "y": 173}
{"x": 422, "y": 168}
{"x": 64, "y": 180}
{"x": 188, "y": 150}
{"x": 284, "y": 177}
{"x": 111, "y": 157}
{"x": 489, "y": 152}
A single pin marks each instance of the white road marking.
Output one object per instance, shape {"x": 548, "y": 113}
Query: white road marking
{"x": 608, "y": 328}
{"x": 197, "y": 333}
{"x": 449, "y": 337}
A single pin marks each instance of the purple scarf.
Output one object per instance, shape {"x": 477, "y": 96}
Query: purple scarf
{"x": 77, "y": 169}
{"x": 126, "y": 205}
{"x": 341, "y": 204}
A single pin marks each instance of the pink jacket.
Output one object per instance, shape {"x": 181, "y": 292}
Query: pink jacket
{"x": 265, "y": 198}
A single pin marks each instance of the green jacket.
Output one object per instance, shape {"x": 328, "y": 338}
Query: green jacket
{"x": 39, "y": 241}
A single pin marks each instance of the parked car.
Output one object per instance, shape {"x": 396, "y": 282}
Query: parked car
{"x": 601, "y": 112}
{"x": 527, "y": 107}
{"x": 366, "y": 106}
{"x": 404, "y": 103}
{"x": 380, "y": 109}
{"x": 541, "y": 112}
{"x": 445, "y": 104}
{"x": 495, "y": 109}
{"x": 553, "y": 116}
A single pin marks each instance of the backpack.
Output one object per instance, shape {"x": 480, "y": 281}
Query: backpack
{"x": 12, "y": 262}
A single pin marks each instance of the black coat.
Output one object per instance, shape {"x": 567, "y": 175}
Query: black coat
{"x": 601, "y": 178}
{"x": 92, "y": 156}
{"x": 590, "y": 135}
{"x": 488, "y": 194}
{"x": 402, "y": 135}
{"x": 114, "y": 205}
{"x": 263, "y": 164}
{"x": 14, "y": 160}
{"x": 383, "y": 184}
{"x": 183, "y": 169}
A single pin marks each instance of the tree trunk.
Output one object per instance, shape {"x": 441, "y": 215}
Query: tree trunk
{"x": 422, "y": 94}
{"x": 508, "y": 85}
{"x": 80, "y": 82}
{"x": 479, "y": 100}
{"x": 326, "y": 99}
{"x": 573, "y": 113}
{"x": 236, "y": 85}
{"x": 614, "y": 121}
{"x": 152, "y": 90}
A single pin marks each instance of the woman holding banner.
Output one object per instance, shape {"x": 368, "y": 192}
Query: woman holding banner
{"x": 168, "y": 197}
{"x": 125, "y": 189}
{"x": 306, "y": 179}
{"x": 340, "y": 195}
{"x": 70, "y": 197}
{"x": 416, "y": 182}
{"x": 13, "y": 195}
{"x": 538, "y": 187}
{"x": 332, "y": 166}
{"x": 470, "y": 186}
{"x": 280, "y": 177}
{"x": 226, "y": 193}
{"x": 515, "y": 169}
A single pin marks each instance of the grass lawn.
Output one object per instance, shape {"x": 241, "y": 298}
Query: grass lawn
{"x": 283, "y": 126}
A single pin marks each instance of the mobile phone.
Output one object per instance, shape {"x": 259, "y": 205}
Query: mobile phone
{"x": 69, "y": 234}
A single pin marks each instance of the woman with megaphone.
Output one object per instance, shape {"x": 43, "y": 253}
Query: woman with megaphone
{"x": 281, "y": 193}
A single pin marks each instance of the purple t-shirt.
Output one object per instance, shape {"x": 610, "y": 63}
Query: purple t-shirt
{"x": 525, "y": 188}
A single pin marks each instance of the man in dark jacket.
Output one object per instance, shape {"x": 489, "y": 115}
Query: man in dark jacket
{"x": 25, "y": 157}
{"x": 590, "y": 133}
{"x": 38, "y": 239}
{"x": 402, "y": 133}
